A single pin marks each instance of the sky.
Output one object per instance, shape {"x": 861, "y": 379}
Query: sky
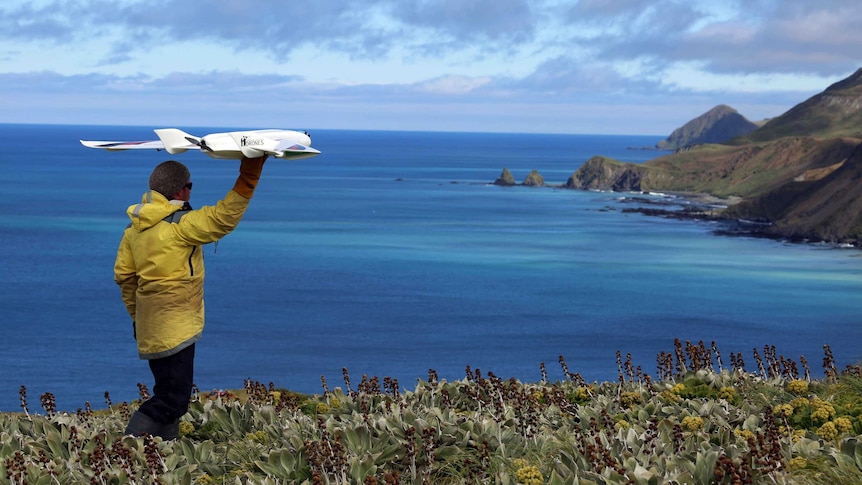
{"x": 640, "y": 67}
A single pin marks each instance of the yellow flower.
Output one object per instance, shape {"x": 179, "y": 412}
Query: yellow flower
{"x": 529, "y": 475}
{"x": 670, "y": 396}
{"x": 784, "y": 410}
{"x": 727, "y": 393}
{"x": 692, "y": 423}
{"x": 744, "y": 433}
{"x": 797, "y": 463}
{"x": 821, "y": 411}
{"x": 819, "y": 415}
{"x": 828, "y": 431}
{"x": 276, "y": 396}
{"x": 583, "y": 393}
{"x": 629, "y": 399}
{"x": 622, "y": 424}
{"x": 322, "y": 407}
{"x": 797, "y": 435}
{"x": 843, "y": 424}
{"x": 259, "y": 436}
{"x": 677, "y": 389}
{"x": 799, "y": 402}
{"x": 186, "y": 428}
{"x": 205, "y": 479}
{"x": 335, "y": 402}
{"x": 797, "y": 386}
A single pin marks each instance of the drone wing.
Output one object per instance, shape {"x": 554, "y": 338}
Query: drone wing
{"x": 124, "y": 145}
{"x": 171, "y": 140}
{"x": 291, "y": 150}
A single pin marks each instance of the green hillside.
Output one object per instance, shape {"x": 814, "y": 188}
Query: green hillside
{"x": 834, "y": 113}
{"x": 747, "y": 170}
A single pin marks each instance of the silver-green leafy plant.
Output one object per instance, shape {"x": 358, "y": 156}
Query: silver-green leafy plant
{"x": 699, "y": 423}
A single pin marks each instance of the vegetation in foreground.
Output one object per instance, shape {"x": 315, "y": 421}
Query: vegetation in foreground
{"x": 698, "y": 421}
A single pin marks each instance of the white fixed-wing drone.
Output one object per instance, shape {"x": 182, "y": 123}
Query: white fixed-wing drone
{"x": 232, "y": 145}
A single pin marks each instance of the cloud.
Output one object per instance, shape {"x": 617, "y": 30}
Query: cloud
{"x": 275, "y": 26}
{"x": 566, "y": 76}
{"x": 369, "y": 29}
{"x": 750, "y": 37}
{"x": 453, "y": 25}
{"x": 181, "y": 84}
{"x": 562, "y": 96}
{"x": 758, "y": 36}
{"x": 32, "y": 23}
{"x": 453, "y": 85}
{"x": 387, "y": 58}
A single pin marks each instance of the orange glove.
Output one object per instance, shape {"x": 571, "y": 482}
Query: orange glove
{"x": 249, "y": 174}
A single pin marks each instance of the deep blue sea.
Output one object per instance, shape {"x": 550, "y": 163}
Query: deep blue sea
{"x": 389, "y": 255}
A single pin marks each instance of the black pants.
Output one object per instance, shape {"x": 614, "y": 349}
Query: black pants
{"x": 173, "y": 375}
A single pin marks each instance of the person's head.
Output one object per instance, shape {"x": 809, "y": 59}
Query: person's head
{"x": 171, "y": 179}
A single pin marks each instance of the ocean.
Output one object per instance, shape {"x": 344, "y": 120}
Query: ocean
{"x": 391, "y": 254}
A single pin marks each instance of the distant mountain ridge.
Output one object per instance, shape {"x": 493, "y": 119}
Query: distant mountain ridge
{"x": 834, "y": 113}
{"x": 717, "y": 125}
{"x": 799, "y": 175}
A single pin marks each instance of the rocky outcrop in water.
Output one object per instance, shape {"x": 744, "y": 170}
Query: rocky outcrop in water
{"x": 534, "y": 179}
{"x": 505, "y": 179}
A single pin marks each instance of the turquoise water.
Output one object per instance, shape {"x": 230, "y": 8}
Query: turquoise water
{"x": 391, "y": 254}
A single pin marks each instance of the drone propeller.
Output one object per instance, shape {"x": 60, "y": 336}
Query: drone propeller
{"x": 200, "y": 142}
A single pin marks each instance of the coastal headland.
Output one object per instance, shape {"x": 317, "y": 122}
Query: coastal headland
{"x": 793, "y": 177}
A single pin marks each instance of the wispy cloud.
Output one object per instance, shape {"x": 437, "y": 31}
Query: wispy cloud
{"x": 686, "y": 55}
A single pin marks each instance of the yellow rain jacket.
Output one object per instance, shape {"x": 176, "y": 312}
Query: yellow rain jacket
{"x": 160, "y": 266}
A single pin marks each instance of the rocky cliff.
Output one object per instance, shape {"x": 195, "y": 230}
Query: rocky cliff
{"x": 604, "y": 173}
{"x": 819, "y": 205}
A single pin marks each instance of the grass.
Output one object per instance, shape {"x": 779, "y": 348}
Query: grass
{"x": 699, "y": 420}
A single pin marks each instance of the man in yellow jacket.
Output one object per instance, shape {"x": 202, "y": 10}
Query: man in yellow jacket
{"x": 160, "y": 270}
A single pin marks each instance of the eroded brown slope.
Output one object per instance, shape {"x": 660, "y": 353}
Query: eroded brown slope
{"x": 828, "y": 209}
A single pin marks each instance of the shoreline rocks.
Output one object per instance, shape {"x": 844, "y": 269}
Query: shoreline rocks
{"x": 685, "y": 206}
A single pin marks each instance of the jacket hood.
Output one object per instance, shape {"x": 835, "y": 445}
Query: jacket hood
{"x": 154, "y": 207}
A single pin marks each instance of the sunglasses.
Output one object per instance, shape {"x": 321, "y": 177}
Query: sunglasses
{"x": 189, "y": 186}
